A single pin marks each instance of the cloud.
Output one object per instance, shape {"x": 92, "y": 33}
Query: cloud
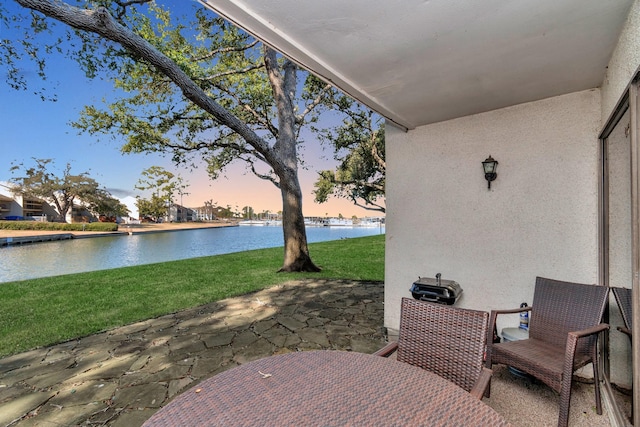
{"x": 120, "y": 193}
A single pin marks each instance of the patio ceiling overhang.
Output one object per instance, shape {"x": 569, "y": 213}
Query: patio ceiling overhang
{"x": 423, "y": 61}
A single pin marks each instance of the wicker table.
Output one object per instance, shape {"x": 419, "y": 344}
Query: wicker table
{"x": 327, "y": 388}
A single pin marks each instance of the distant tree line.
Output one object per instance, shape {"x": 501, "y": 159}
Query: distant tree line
{"x": 63, "y": 190}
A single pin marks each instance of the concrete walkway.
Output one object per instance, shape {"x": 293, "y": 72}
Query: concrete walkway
{"x": 121, "y": 377}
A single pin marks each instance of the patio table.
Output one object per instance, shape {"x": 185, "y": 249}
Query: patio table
{"x": 326, "y": 388}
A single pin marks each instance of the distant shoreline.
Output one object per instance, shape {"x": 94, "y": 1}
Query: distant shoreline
{"x": 122, "y": 229}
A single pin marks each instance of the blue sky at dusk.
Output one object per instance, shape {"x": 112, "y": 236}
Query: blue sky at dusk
{"x": 32, "y": 128}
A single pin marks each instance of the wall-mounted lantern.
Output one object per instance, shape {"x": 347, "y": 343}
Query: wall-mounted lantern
{"x": 490, "y": 165}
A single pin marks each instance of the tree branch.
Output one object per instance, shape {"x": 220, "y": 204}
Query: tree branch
{"x": 370, "y": 206}
{"x": 122, "y": 5}
{"x": 300, "y": 117}
{"x": 99, "y": 21}
{"x": 259, "y": 118}
{"x": 263, "y": 176}
{"x": 225, "y": 50}
{"x": 231, "y": 72}
{"x": 215, "y": 144}
{"x": 376, "y": 155}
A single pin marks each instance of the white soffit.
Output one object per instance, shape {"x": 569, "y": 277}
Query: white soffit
{"x": 423, "y": 61}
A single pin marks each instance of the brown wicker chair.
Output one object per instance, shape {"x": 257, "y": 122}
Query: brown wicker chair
{"x": 563, "y": 330}
{"x": 623, "y": 298}
{"x": 445, "y": 340}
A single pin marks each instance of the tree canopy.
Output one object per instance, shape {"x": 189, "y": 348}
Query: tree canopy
{"x": 359, "y": 147}
{"x": 103, "y": 204}
{"x": 162, "y": 184}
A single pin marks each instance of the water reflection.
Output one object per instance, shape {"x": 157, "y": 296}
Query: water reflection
{"x": 79, "y": 255}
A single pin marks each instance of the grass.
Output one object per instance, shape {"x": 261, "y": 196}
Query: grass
{"x": 41, "y": 312}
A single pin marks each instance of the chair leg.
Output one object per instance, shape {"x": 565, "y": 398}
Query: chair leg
{"x": 567, "y": 377}
{"x": 487, "y": 392}
{"x": 565, "y": 402}
{"x": 596, "y": 383}
{"x": 631, "y": 416}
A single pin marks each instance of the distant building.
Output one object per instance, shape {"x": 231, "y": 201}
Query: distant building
{"x": 179, "y": 213}
{"x": 20, "y": 207}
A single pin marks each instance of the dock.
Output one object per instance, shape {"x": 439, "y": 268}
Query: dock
{"x": 21, "y": 240}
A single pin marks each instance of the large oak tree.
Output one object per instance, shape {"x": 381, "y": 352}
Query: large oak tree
{"x": 202, "y": 89}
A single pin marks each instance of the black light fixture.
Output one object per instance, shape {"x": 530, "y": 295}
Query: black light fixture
{"x": 490, "y": 165}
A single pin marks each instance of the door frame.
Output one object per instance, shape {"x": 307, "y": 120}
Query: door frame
{"x": 629, "y": 101}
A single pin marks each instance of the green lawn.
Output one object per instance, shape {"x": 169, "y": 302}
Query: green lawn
{"x": 46, "y": 311}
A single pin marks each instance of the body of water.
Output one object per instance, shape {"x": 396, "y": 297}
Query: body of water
{"x": 47, "y": 259}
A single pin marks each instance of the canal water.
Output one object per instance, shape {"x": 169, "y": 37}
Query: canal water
{"x": 21, "y": 262}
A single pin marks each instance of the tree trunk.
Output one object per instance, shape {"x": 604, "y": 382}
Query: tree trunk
{"x": 296, "y": 252}
{"x": 63, "y": 204}
{"x": 284, "y": 161}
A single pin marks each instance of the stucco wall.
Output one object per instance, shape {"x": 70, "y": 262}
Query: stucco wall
{"x": 624, "y": 63}
{"x": 539, "y": 218}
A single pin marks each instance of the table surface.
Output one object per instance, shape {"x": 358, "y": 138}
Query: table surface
{"x": 326, "y": 388}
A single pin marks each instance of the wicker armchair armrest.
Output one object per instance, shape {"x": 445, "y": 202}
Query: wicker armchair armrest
{"x": 494, "y": 316}
{"x": 512, "y": 310}
{"x": 480, "y": 387}
{"x": 624, "y": 330}
{"x": 590, "y": 331}
{"x": 387, "y": 350}
{"x": 572, "y": 342}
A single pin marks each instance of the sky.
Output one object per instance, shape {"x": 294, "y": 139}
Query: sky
{"x": 32, "y": 128}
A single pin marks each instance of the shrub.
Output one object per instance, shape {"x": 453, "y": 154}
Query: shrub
{"x": 58, "y": 226}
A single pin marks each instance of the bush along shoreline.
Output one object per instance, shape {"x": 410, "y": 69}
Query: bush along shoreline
{"x": 58, "y": 226}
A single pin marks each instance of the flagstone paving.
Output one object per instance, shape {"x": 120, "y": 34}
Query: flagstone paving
{"x": 122, "y": 376}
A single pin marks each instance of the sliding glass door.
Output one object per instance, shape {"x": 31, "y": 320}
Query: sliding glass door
{"x": 620, "y": 237}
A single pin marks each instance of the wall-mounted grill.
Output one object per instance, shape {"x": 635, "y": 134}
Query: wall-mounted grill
{"x": 436, "y": 290}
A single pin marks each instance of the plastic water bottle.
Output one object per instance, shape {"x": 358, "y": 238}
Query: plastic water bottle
{"x": 524, "y": 317}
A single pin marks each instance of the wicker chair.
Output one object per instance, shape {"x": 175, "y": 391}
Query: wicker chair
{"x": 623, "y": 298}
{"x": 563, "y": 334}
{"x": 445, "y": 340}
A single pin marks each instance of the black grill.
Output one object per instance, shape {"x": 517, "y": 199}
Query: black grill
{"x": 436, "y": 290}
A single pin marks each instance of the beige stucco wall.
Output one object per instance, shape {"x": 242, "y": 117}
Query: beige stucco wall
{"x": 624, "y": 62}
{"x": 539, "y": 218}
